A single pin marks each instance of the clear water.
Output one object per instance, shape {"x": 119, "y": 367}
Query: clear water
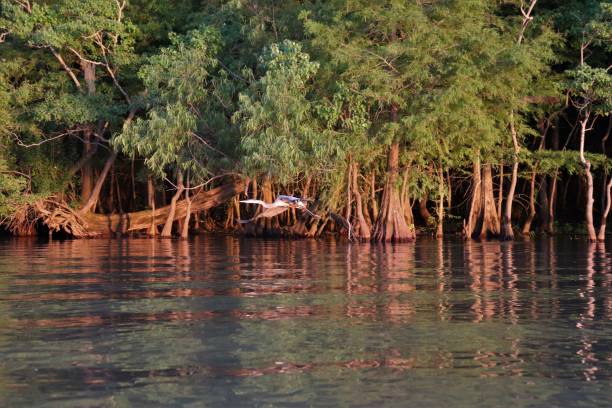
{"x": 220, "y": 321}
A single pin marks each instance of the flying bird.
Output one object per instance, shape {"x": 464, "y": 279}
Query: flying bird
{"x": 279, "y": 206}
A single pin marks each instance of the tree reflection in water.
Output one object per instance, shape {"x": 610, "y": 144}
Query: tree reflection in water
{"x": 185, "y": 314}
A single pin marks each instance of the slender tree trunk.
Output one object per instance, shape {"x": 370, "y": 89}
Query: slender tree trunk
{"x": 470, "y": 228}
{"x": 185, "y": 229}
{"x": 373, "y": 201}
{"x": 500, "y": 192}
{"x": 364, "y": 229}
{"x": 391, "y": 224}
{"x": 507, "y": 233}
{"x": 506, "y": 228}
{"x": 133, "y": 177}
{"x": 95, "y": 194}
{"x": 349, "y": 197}
{"x": 405, "y": 201}
{"x": 532, "y": 209}
{"x": 552, "y": 204}
{"x": 601, "y": 236}
{"x": 151, "y": 200}
{"x": 167, "y": 230}
{"x": 490, "y": 221}
{"x": 440, "y": 226}
{"x": 86, "y": 168}
{"x": 589, "y": 180}
{"x": 550, "y": 229}
{"x": 87, "y": 184}
{"x": 589, "y": 204}
{"x": 543, "y": 203}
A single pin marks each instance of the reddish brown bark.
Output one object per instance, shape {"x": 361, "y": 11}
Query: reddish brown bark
{"x": 167, "y": 230}
{"x": 589, "y": 180}
{"x": 185, "y": 229}
{"x": 151, "y": 200}
{"x": 601, "y": 236}
{"x": 391, "y": 224}
{"x": 95, "y": 193}
{"x": 87, "y": 183}
{"x": 364, "y": 228}
{"x": 482, "y": 220}
{"x": 142, "y": 220}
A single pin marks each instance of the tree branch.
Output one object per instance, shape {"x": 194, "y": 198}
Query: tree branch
{"x": 65, "y": 67}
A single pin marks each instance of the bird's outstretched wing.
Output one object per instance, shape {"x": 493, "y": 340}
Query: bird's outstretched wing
{"x": 253, "y": 201}
{"x": 310, "y": 212}
{"x": 268, "y": 212}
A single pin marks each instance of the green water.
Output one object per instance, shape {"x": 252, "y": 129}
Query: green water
{"x": 220, "y": 321}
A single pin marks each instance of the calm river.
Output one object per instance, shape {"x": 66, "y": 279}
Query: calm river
{"x": 221, "y": 321}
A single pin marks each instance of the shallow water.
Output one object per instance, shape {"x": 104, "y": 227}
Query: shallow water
{"x": 220, "y": 321}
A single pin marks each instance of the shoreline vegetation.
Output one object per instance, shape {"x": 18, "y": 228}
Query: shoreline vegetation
{"x": 486, "y": 119}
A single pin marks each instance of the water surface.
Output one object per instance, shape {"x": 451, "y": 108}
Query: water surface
{"x": 221, "y": 321}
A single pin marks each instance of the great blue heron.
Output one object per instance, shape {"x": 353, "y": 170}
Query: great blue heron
{"x": 279, "y": 206}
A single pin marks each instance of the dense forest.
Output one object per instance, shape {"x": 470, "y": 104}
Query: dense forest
{"x": 489, "y": 118}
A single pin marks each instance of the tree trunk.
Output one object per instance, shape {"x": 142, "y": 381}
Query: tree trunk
{"x": 482, "y": 220}
{"x": 601, "y": 236}
{"x": 552, "y": 204}
{"x": 471, "y": 228}
{"x": 490, "y": 226}
{"x": 441, "y": 193}
{"x": 507, "y": 233}
{"x": 373, "y": 201}
{"x": 552, "y": 198}
{"x": 589, "y": 180}
{"x": 391, "y": 224}
{"x": 141, "y": 220}
{"x": 349, "y": 197}
{"x": 542, "y": 210}
{"x": 500, "y": 192}
{"x": 86, "y": 167}
{"x": 95, "y": 194}
{"x": 405, "y": 201}
{"x": 87, "y": 184}
{"x": 185, "y": 229}
{"x": 364, "y": 229}
{"x": 589, "y": 204}
{"x": 167, "y": 230}
{"x": 532, "y": 210}
{"x": 151, "y": 200}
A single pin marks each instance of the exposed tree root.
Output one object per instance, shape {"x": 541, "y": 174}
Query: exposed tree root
{"x": 54, "y": 214}
{"x": 58, "y": 216}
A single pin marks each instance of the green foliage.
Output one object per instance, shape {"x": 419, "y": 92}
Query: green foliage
{"x": 178, "y": 80}
{"x": 275, "y": 116}
{"x": 12, "y": 186}
{"x": 592, "y": 87}
{"x": 293, "y": 89}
